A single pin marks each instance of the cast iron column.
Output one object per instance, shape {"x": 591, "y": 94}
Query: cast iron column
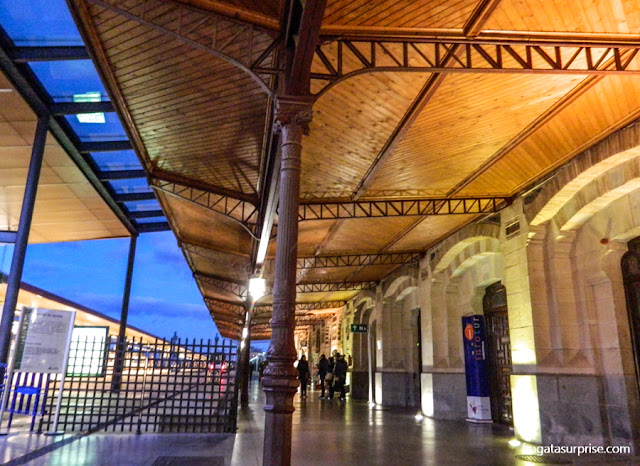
{"x": 280, "y": 381}
{"x": 20, "y": 249}
{"x": 118, "y": 364}
{"x": 244, "y": 396}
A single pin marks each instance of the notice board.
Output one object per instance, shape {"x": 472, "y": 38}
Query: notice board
{"x": 43, "y": 340}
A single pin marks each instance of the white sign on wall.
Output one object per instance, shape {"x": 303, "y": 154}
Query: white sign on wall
{"x": 43, "y": 341}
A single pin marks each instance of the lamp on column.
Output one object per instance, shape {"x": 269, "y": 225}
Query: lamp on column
{"x": 256, "y": 291}
{"x": 257, "y": 288}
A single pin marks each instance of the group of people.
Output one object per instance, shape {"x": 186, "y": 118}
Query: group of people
{"x": 332, "y": 373}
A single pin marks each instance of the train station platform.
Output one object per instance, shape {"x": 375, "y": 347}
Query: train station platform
{"x": 327, "y": 432}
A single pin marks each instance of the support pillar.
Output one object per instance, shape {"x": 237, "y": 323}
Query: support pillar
{"x": 280, "y": 381}
{"x": 118, "y": 364}
{"x": 22, "y": 237}
{"x": 246, "y": 373}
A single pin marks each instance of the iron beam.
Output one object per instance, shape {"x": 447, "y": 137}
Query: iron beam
{"x": 104, "y": 146}
{"x": 22, "y": 237}
{"x": 118, "y": 364}
{"x": 153, "y": 227}
{"x": 344, "y": 57}
{"x": 330, "y": 287}
{"x": 75, "y": 108}
{"x": 241, "y": 211}
{"x": 132, "y": 197}
{"x": 121, "y": 174}
{"x": 146, "y": 214}
{"x": 390, "y": 208}
{"x": 357, "y": 260}
{"x": 8, "y": 237}
{"x": 235, "y": 288}
{"x": 33, "y": 54}
{"x": 236, "y": 308}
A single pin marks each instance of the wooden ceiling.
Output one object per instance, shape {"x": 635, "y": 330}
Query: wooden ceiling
{"x": 423, "y": 101}
{"x": 67, "y": 206}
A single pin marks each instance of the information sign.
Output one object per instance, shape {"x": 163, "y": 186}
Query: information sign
{"x": 359, "y": 328}
{"x": 44, "y": 336}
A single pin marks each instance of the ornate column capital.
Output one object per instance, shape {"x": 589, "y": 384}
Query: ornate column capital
{"x": 293, "y": 110}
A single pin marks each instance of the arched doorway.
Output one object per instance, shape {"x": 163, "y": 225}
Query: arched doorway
{"x": 631, "y": 278}
{"x": 495, "y": 310}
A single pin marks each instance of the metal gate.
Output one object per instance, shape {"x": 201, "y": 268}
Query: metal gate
{"x": 176, "y": 386}
{"x": 498, "y": 352}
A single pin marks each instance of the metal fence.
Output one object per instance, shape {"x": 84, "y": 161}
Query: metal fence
{"x": 164, "y": 386}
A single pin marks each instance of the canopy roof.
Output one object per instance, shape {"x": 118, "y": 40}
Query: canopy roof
{"x": 428, "y": 115}
{"x": 92, "y": 184}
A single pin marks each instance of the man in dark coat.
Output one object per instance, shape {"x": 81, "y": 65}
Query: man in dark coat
{"x": 329, "y": 377}
{"x": 303, "y": 375}
{"x": 323, "y": 368}
{"x": 340, "y": 376}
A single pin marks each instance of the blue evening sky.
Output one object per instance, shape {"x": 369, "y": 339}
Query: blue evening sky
{"x": 164, "y": 295}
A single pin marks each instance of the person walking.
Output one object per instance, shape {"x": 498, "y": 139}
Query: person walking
{"x": 323, "y": 369}
{"x": 303, "y": 375}
{"x": 340, "y": 376}
{"x": 329, "y": 377}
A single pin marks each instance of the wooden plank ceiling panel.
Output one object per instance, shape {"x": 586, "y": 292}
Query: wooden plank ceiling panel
{"x": 350, "y": 126}
{"x": 602, "y": 16}
{"x": 393, "y": 13}
{"x": 365, "y": 235}
{"x": 329, "y": 274}
{"x": 198, "y": 225}
{"x": 204, "y": 122}
{"x": 349, "y": 274}
{"x": 221, "y": 264}
{"x": 310, "y": 235}
{"x": 210, "y": 291}
{"x": 430, "y": 231}
{"x": 610, "y": 103}
{"x": 469, "y": 119}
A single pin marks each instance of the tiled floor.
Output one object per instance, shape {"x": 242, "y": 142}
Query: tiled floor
{"x": 325, "y": 432}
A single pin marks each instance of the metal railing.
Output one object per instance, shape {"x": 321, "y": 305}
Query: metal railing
{"x": 165, "y": 386}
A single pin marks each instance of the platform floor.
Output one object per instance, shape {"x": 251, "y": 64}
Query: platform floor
{"x": 327, "y": 432}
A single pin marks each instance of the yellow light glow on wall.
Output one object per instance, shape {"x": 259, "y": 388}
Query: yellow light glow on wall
{"x": 526, "y": 412}
{"x": 522, "y": 355}
{"x": 426, "y": 384}
{"x": 523, "y": 347}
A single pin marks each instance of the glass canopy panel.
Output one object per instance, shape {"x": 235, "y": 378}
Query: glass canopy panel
{"x": 67, "y": 79}
{"x": 142, "y": 206}
{"x": 43, "y": 23}
{"x": 110, "y": 130}
{"x": 134, "y": 185}
{"x": 116, "y": 160}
